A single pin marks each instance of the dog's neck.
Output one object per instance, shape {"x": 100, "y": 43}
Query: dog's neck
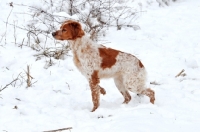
{"x": 80, "y": 43}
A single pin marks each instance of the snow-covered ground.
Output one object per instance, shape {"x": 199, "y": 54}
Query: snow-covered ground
{"x": 168, "y": 41}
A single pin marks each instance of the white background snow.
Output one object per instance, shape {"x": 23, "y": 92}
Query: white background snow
{"x": 168, "y": 41}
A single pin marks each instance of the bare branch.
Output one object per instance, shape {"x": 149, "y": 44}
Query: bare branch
{"x": 154, "y": 83}
{"x": 17, "y": 78}
{"x": 11, "y": 5}
{"x": 15, "y": 37}
{"x": 28, "y": 77}
{"x": 180, "y": 73}
{"x": 57, "y": 130}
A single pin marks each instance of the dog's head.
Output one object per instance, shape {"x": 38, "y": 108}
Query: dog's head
{"x": 69, "y": 30}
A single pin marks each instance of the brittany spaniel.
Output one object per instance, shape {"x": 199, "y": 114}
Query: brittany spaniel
{"x": 97, "y": 61}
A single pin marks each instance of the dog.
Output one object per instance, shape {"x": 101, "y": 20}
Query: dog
{"x": 96, "y": 61}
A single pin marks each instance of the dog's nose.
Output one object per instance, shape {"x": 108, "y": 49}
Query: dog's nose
{"x": 54, "y": 33}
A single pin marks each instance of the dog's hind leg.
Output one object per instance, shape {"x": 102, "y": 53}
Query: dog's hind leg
{"x": 119, "y": 84}
{"x": 150, "y": 93}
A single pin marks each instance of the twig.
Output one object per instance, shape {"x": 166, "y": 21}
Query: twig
{"x": 154, "y": 83}
{"x": 42, "y": 11}
{"x": 10, "y": 83}
{"x": 29, "y": 30}
{"x": 62, "y": 129}
{"x": 68, "y": 85}
{"x": 15, "y": 38}
{"x": 22, "y": 43}
{"x": 11, "y": 5}
{"x": 29, "y": 77}
{"x": 3, "y": 35}
{"x": 180, "y": 73}
{"x": 53, "y": 52}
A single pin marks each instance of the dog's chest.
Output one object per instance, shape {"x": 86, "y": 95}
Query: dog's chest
{"x": 87, "y": 58}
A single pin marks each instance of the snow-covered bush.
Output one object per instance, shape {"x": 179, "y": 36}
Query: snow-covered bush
{"x": 165, "y": 2}
{"x": 96, "y": 15}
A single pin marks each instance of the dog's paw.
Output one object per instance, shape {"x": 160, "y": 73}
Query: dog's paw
{"x": 102, "y": 91}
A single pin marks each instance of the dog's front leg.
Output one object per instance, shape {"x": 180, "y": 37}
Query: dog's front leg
{"x": 95, "y": 89}
{"x": 95, "y": 97}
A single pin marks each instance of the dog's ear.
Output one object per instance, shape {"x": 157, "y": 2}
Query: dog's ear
{"x": 76, "y": 30}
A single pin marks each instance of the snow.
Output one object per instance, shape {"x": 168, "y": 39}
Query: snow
{"x": 167, "y": 42}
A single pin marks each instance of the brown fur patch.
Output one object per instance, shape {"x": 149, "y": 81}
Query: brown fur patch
{"x": 140, "y": 64}
{"x": 108, "y": 56}
{"x": 95, "y": 78}
{"x": 75, "y": 30}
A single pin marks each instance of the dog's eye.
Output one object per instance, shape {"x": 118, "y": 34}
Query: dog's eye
{"x": 64, "y": 30}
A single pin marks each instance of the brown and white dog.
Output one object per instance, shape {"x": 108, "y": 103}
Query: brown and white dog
{"x": 97, "y": 61}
